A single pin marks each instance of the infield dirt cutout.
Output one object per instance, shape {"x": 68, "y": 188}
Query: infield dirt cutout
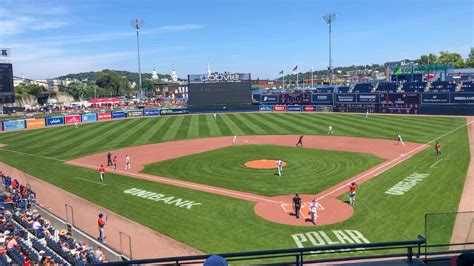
{"x": 263, "y": 164}
{"x": 277, "y": 209}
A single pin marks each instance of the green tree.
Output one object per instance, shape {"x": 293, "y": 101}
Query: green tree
{"x": 111, "y": 81}
{"x": 470, "y": 59}
{"x": 454, "y": 59}
{"x": 428, "y": 59}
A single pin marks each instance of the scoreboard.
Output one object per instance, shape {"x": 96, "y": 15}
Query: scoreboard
{"x": 7, "y": 93}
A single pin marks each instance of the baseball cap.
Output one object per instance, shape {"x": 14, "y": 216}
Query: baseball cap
{"x": 100, "y": 215}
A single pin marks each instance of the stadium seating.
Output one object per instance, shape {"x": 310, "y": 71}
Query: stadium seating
{"x": 442, "y": 86}
{"x": 363, "y": 87}
{"x": 387, "y": 87}
{"x": 344, "y": 89}
{"x": 414, "y": 86}
{"x": 325, "y": 89}
{"x": 467, "y": 86}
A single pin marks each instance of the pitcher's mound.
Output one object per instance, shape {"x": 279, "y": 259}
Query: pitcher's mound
{"x": 262, "y": 164}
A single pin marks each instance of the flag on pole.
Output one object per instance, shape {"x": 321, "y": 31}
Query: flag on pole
{"x": 281, "y": 72}
{"x": 296, "y": 68}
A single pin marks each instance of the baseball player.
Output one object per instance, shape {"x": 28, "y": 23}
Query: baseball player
{"x": 297, "y": 205}
{"x": 114, "y": 163}
{"x": 75, "y": 122}
{"x": 109, "y": 159}
{"x": 400, "y": 140}
{"x": 127, "y": 162}
{"x": 330, "y": 131}
{"x": 101, "y": 173}
{"x": 279, "y": 167}
{"x": 367, "y": 114}
{"x": 300, "y": 142}
{"x": 313, "y": 211}
{"x": 101, "y": 225}
{"x": 215, "y": 116}
{"x": 438, "y": 148}
{"x": 352, "y": 192}
{"x": 234, "y": 140}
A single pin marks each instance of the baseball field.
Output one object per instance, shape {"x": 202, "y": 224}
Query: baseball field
{"x": 202, "y": 193}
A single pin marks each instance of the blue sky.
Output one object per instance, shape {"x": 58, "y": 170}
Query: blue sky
{"x": 51, "y": 38}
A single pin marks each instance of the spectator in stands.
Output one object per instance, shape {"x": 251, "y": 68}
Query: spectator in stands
{"x": 11, "y": 242}
{"x": 99, "y": 255}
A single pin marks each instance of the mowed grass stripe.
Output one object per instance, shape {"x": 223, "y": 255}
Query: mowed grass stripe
{"x": 204, "y": 130}
{"x": 193, "y": 130}
{"x": 155, "y": 124}
{"x": 310, "y": 128}
{"x": 136, "y": 133}
{"x": 173, "y": 130}
{"x": 214, "y": 129}
{"x": 226, "y": 126}
{"x": 278, "y": 122}
{"x": 246, "y": 130}
{"x": 260, "y": 126}
{"x": 338, "y": 129}
{"x": 161, "y": 129}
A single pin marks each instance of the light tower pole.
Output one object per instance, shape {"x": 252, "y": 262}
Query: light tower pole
{"x": 137, "y": 24}
{"x": 330, "y": 18}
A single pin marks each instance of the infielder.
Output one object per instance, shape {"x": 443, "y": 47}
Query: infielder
{"x": 114, "y": 163}
{"x": 400, "y": 140}
{"x": 313, "y": 211}
{"x": 438, "y": 148}
{"x": 234, "y": 140}
{"x": 300, "y": 142}
{"x": 352, "y": 192}
{"x": 127, "y": 162}
{"x": 330, "y": 131}
{"x": 101, "y": 173}
{"x": 279, "y": 167}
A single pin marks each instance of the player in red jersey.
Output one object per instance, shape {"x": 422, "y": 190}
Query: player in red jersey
{"x": 352, "y": 192}
{"x": 101, "y": 173}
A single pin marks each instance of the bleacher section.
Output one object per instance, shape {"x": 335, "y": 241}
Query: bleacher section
{"x": 29, "y": 238}
{"x": 467, "y": 86}
{"x": 442, "y": 86}
{"x": 387, "y": 87}
{"x": 325, "y": 89}
{"x": 414, "y": 86}
{"x": 363, "y": 87}
{"x": 344, "y": 89}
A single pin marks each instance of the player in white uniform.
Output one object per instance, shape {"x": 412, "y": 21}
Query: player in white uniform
{"x": 313, "y": 210}
{"x": 234, "y": 140}
{"x": 75, "y": 122}
{"x": 367, "y": 114}
{"x": 279, "y": 167}
{"x": 400, "y": 140}
{"x": 330, "y": 131}
{"x": 128, "y": 164}
{"x": 215, "y": 116}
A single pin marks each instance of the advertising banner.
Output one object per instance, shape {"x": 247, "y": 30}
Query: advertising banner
{"x": 104, "y": 116}
{"x": 434, "y": 98}
{"x": 151, "y": 112}
{"x": 322, "y": 98}
{"x": 134, "y": 113}
{"x": 53, "y": 121}
{"x": 309, "y": 108}
{"x": 372, "y": 98}
{"x": 269, "y": 98}
{"x": 462, "y": 97}
{"x": 89, "y": 117}
{"x": 173, "y": 111}
{"x": 13, "y": 125}
{"x": 71, "y": 119}
{"x": 267, "y": 108}
{"x": 118, "y": 115}
{"x": 345, "y": 98}
{"x": 294, "y": 108}
{"x": 399, "y": 98}
{"x": 35, "y": 123}
{"x": 279, "y": 108}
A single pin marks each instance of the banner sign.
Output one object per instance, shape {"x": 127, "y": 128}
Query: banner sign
{"x": 71, "y": 119}
{"x": 89, "y": 117}
{"x": 151, "y": 112}
{"x": 434, "y": 98}
{"x": 219, "y": 77}
{"x": 345, "y": 98}
{"x": 104, "y": 116}
{"x": 172, "y": 111}
{"x": 418, "y": 69}
{"x": 13, "y": 125}
{"x": 294, "y": 108}
{"x": 269, "y": 98}
{"x": 400, "y": 98}
{"x": 462, "y": 97}
{"x": 372, "y": 98}
{"x": 322, "y": 98}
{"x": 117, "y": 115}
{"x": 53, "y": 121}
{"x": 279, "y": 108}
{"x": 309, "y": 108}
{"x": 255, "y": 97}
{"x": 267, "y": 108}
{"x": 135, "y": 113}
{"x": 35, "y": 123}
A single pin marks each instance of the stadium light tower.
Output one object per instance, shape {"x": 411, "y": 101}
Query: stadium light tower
{"x": 330, "y": 18}
{"x": 137, "y": 24}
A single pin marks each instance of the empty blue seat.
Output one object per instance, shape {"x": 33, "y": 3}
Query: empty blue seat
{"x": 467, "y": 86}
{"x": 363, "y": 87}
{"x": 414, "y": 86}
{"x": 387, "y": 87}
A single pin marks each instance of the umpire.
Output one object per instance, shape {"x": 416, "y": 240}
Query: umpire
{"x": 297, "y": 205}
{"x": 109, "y": 158}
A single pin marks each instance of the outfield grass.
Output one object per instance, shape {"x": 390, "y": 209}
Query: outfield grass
{"x": 308, "y": 171}
{"x": 223, "y": 224}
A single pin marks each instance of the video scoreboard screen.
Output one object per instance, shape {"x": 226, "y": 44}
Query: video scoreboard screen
{"x": 7, "y": 94}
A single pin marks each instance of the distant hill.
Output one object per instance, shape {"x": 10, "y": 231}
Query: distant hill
{"x": 130, "y": 76}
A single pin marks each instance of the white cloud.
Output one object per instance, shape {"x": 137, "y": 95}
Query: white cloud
{"x": 46, "y": 25}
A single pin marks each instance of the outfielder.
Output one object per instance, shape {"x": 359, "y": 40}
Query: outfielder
{"x": 400, "y": 140}
{"x": 279, "y": 167}
{"x": 367, "y": 114}
{"x": 127, "y": 162}
{"x": 300, "y": 142}
{"x": 330, "y": 131}
{"x": 313, "y": 211}
{"x": 352, "y": 192}
{"x": 234, "y": 140}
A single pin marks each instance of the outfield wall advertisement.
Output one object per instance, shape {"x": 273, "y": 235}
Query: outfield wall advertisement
{"x": 269, "y": 98}
{"x": 71, "y": 119}
{"x": 90, "y": 117}
{"x": 434, "y": 98}
{"x": 267, "y": 108}
{"x": 35, "y": 123}
{"x": 53, "y": 121}
{"x": 294, "y": 108}
{"x": 134, "y": 113}
{"x": 104, "y": 116}
{"x": 118, "y": 115}
{"x": 462, "y": 97}
{"x": 322, "y": 98}
{"x": 174, "y": 111}
{"x": 14, "y": 125}
{"x": 151, "y": 112}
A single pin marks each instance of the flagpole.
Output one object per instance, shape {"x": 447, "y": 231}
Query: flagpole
{"x": 283, "y": 79}
{"x": 297, "y": 78}
{"x": 312, "y": 77}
